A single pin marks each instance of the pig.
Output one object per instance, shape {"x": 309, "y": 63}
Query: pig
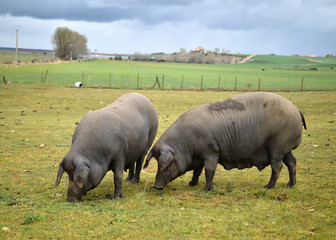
{"x": 253, "y": 129}
{"x": 112, "y": 138}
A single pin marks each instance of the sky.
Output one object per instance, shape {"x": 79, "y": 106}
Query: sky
{"x": 282, "y": 27}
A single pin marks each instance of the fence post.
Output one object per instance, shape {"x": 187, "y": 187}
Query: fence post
{"x": 302, "y": 84}
{"x": 4, "y": 79}
{"x": 218, "y": 82}
{"x": 259, "y": 85}
{"x": 45, "y": 76}
{"x": 201, "y": 82}
{"x": 235, "y": 86}
{"x": 83, "y": 78}
{"x": 138, "y": 81}
{"x": 157, "y": 82}
{"x": 162, "y": 81}
{"x": 182, "y": 81}
{"x": 90, "y": 77}
{"x": 110, "y": 80}
{"x": 104, "y": 79}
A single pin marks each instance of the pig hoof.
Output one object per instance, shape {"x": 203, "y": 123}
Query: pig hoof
{"x": 207, "y": 189}
{"x": 192, "y": 183}
{"x": 135, "y": 180}
{"x": 110, "y": 196}
{"x": 118, "y": 195}
{"x": 269, "y": 186}
{"x": 128, "y": 179}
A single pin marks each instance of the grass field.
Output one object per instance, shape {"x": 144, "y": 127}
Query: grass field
{"x": 24, "y": 57}
{"x": 238, "y": 208}
{"x": 274, "y": 72}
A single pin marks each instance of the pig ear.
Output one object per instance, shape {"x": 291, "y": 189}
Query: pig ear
{"x": 166, "y": 157}
{"x": 60, "y": 173}
{"x": 149, "y": 157}
{"x": 81, "y": 175}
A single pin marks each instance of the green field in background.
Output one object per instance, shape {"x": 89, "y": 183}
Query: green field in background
{"x": 274, "y": 72}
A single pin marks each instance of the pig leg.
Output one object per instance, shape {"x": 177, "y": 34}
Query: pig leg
{"x": 130, "y": 173}
{"x": 290, "y": 162}
{"x": 118, "y": 177}
{"x": 276, "y": 165}
{"x": 197, "y": 172}
{"x": 210, "y": 165}
{"x": 139, "y": 162}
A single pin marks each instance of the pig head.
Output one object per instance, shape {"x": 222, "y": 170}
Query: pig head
{"x": 79, "y": 178}
{"x": 168, "y": 168}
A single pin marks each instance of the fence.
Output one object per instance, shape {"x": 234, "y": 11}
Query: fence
{"x": 230, "y": 82}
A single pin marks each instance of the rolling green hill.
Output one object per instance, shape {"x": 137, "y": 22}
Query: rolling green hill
{"x": 302, "y": 62}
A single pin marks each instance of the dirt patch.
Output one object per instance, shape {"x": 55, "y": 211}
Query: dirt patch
{"x": 248, "y": 58}
{"x": 226, "y": 104}
{"x": 314, "y": 60}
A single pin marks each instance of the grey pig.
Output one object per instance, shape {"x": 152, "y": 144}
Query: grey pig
{"x": 253, "y": 129}
{"x": 111, "y": 138}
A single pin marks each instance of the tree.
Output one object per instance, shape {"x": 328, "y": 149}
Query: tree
{"x": 225, "y": 51}
{"x": 63, "y": 37}
{"x": 80, "y": 44}
{"x": 183, "y": 50}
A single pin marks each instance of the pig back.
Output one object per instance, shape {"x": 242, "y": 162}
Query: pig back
{"x": 124, "y": 127}
{"x": 238, "y": 129}
{"x": 247, "y": 126}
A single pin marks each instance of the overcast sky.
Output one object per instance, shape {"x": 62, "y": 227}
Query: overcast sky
{"x": 282, "y": 27}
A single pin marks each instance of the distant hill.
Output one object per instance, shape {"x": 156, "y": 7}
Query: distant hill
{"x": 192, "y": 57}
{"x": 28, "y": 50}
{"x": 293, "y": 62}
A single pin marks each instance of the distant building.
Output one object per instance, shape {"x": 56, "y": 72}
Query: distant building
{"x": 199, "y": 50}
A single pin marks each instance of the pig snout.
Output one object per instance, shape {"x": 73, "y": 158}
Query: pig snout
{"x": 159, "y": 187}
{"x": 73, "y": 197}
{"x": 160, "y": 183}
{"x": 74, "y": 193}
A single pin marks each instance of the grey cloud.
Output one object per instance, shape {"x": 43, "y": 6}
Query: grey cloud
{"x": 284, "y": 17}
{"x": 221, "y": 14}
{"x": 95, "y": 10}
{"x": 237, "y": 24}
{"x": 68, "y": 10}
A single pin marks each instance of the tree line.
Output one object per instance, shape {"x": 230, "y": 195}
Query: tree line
{"x": 67, "y": 42}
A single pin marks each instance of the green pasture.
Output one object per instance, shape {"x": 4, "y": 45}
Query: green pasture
{"x": 24, "y": 57}
{"x": 294, "y": 62}
{"x": 273, "y": 73}
{"x": 36, "y": 126}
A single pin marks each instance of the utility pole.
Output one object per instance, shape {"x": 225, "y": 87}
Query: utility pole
{"x": 71, "y": 45}
{"x": 53, "y": 53}
{"x": 17, "y": 28}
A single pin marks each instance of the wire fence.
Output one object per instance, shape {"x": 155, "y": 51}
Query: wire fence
{"x": 152, "y": 80}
